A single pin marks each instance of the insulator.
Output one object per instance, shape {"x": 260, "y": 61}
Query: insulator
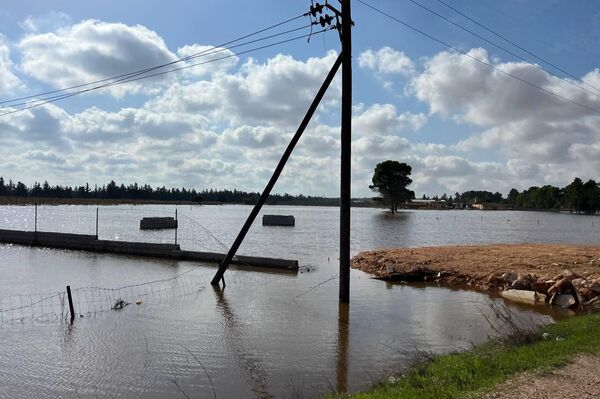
{"x": 316, "y": 9}
{"x": 326, "y": 20}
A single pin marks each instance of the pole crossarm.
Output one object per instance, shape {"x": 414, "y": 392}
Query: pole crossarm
{"x": 284, "y": 158}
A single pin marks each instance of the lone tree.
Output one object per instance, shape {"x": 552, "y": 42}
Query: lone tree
{"x": 390, "y": 180}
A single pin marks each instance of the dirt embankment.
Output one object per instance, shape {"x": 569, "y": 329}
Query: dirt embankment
{"x": 550, "y": 270}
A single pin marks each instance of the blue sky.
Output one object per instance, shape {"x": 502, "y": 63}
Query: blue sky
{"x": 460, "y": 124}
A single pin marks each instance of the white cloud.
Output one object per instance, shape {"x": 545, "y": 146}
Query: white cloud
{"x": 92, "y": 50}
{"x": 527, "y": 126}
{"x": 45, "y": 23}
{"x": 386, "y": 60}
{"x": 277, "y": 92}
{"x": 205, "y": 60}
{"x": 8, "y": 80}
{"x": 380, "y": 119}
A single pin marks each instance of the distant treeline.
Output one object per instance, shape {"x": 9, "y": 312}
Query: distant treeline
{"x": 578, "y": 197}
{"x": 136, "y": 191}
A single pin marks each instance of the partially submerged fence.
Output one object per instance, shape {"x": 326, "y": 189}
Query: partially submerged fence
{"x": 89, "y": 301}
{"x": 111, "y": 223}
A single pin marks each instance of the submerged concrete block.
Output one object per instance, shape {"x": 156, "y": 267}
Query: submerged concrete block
{"x": 278, "y": 220}
{"x": 158, "y": 223}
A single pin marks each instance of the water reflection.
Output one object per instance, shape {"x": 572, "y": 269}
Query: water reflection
{"x": 342, "y": 348}
{"x": 252, "y": 367}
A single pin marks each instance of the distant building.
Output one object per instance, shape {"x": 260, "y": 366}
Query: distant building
{"x": 427, "y": 204}
{"x": 489, "y": 206}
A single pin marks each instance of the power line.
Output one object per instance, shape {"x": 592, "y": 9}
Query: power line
{"x": 149, "y": 69}
{"x": 503, "y": 48}
{"x": 129, "y": 78}
{"x": 478, "y": 60}
{"x": 164, "y": 72}
{"x": 517, "y": 45}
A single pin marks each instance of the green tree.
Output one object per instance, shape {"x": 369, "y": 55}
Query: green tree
{"x": 512, "y": 197}
{"x": 390, "y": 180}
{"x": 574, "y": 195}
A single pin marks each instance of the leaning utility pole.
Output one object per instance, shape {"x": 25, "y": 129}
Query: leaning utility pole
{"x": 265, "y": 194}
{"x": 345, "y": 61}
{"x": 346, "y": 143}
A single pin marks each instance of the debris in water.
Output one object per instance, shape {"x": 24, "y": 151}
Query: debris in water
{"x": 120, "y": 304}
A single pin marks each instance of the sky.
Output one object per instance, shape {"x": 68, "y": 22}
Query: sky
{"x": 459, "y": 123}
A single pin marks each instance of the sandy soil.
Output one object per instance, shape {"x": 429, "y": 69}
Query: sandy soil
{"x": 579, "y": 379}
{"x": 473, "y": 265}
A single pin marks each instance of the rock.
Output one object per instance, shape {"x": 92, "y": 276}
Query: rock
{"x": 562, "y": 286}
{"x": 593, "y": 302}
{"x": 587, "y": 294}
{"x": 509, "y": 277}
{"x": 523, "y": 296}
{"x": 542, "y": 286}
{"x": 389, "y": 267}
{"x": 495, "y": 281}
{"x": 564, "y": 300}
{"x": 523, "y": 282}
{"x": 566, "y": 274}
{"x": 591, "y": 284}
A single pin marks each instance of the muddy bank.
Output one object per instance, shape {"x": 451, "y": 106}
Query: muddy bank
{"x": 565, "y": 275}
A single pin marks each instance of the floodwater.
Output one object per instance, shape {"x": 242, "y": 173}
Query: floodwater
{"x": 266, "y": 334}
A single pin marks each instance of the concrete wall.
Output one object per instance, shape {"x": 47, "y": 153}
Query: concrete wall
{"x": 169, "y": 251}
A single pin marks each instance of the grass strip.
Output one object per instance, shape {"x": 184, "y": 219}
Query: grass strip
{"x": 460, "y": 375}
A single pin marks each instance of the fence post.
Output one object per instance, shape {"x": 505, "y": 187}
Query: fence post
{"x": 176, "y": 226}
{"x": 96, "y": 223}
{"x": 71, "y": 309}
{"x": 35, "y": 218}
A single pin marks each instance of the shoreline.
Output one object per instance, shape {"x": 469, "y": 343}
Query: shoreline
{"x": 526, "y": 363}
{"x": 560, "y": 274}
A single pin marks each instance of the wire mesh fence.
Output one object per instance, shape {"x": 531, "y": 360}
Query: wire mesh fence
{"x": 18, "y": 308}
{"x": 89, "y": 301}
{"x": 120, "y": 223}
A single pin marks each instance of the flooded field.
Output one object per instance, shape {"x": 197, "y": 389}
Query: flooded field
{"x": 267, "y": 334}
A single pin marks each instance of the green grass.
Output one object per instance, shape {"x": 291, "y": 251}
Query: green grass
{"x": 465, "y": 374}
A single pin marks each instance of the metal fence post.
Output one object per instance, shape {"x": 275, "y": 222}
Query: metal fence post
{"x": 71, "y": 309}
{"x": 96, "y": 223}
{"x": 176, "y": 226}
{"x": 35, "y": 218}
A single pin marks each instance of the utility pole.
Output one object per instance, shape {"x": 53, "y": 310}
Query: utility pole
{"x": 346, "y": 147}
{"x": 284, "y": 158}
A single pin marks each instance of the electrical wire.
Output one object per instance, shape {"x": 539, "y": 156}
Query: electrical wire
{"x": 503, "y": 48}
{"x": 61, "y": 97}
{"x": 517, "y": 45}
{"x": 478, "y": 60}
{"x": 149, "y": 69}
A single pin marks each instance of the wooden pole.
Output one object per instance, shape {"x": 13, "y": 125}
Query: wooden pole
{"x": 176, "y": 226}
{"x": 346, "y": 143}
{"x": 265, "y": 194}
{"x": 71, "y": 309}
{"x": 35, "y": 219}
{"x": 96, "y": 223}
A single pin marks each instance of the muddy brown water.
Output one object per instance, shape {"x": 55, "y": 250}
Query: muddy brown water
{"x": 267, "y": 334}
